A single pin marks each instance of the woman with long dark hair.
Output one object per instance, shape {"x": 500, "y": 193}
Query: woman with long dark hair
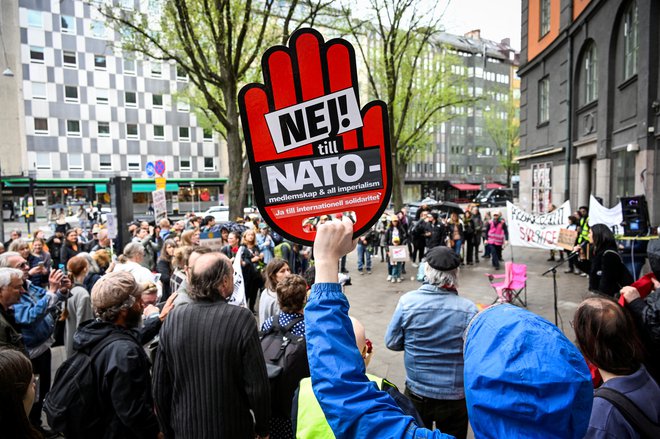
{"x": 276, "y": 270}
{"x": 250, "y": 258}
{"x": 70, "y": 247}
{"x": 164, "y": 266}
{"x": 607, "y": 337}
{"x": 608, "y": 274}
{"x": 17, "y": 394}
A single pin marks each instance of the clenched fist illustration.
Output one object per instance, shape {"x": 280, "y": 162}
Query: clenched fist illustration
{"x": 313, "y": 151}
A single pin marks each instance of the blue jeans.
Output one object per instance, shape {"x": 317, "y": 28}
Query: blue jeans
{"x": 362, "y": 253}
{"x": 394, "y": 269}
{"x": 457, "y": 246}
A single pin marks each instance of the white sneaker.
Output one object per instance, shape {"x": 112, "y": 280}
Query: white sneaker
{"x": 389, "y": 278}
{"x": 415, "y": 264}
{"x": 398, "y": 279}
{"x": 393, "y": 280}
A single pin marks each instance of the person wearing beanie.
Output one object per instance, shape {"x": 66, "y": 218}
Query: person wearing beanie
{"x": 428, "y": 325}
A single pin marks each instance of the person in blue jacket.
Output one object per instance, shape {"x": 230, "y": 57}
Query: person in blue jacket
{"x": 523, "y": 378}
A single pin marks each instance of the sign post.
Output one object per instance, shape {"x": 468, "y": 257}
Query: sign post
{"x": 313, "y": 149}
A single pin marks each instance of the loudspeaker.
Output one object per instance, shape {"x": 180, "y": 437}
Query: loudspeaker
{"x": 635, "y": 216}
{"x": 122, "y": 201}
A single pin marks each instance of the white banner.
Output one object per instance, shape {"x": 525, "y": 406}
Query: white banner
{"x": 599, "y": 214}
{"x": 536, "y": 231}
{"x": 238, "y": 296}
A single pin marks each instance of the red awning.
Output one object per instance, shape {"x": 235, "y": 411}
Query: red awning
{"x": 466, "y": 186}
{"x": 494, "y": 186}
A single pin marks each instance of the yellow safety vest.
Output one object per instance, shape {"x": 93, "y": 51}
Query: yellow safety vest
{"x": 584, "y": 230}
{"x": 311, "y": 422}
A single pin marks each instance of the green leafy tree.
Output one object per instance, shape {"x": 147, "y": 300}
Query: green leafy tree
{"x": 218, "y": 44}
{"x": 502, "y": 123}
{"x": 411, "y": 72}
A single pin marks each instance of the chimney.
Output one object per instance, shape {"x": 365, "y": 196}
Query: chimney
{"x": 506, "y": 42}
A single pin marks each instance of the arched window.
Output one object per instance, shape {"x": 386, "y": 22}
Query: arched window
{"x": 589, "y": 74}
{"x": 630, "y": 43}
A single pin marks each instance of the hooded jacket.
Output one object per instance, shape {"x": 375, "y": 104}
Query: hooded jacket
{"x": 124, "y": 384}
{"x": 524, "y": 378}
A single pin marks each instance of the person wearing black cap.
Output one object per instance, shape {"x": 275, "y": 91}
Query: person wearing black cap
{"x": 428, "y": 324}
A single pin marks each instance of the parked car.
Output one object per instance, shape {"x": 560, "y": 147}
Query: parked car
{"x": 493, "y": 197}
{"x": 220, "y": 213}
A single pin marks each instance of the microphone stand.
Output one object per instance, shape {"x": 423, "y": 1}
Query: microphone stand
{"x": 553, "y": 270}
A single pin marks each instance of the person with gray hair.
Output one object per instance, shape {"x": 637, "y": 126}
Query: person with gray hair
{"x": 11, "y": 288}
{"x": 209, "y": 334}
{"x": 428, "y": 325}
{"x": 120, "y": 363}
{"x": 131, "y": 262}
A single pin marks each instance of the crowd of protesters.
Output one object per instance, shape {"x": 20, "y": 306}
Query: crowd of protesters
{"x": 173, "y": 358}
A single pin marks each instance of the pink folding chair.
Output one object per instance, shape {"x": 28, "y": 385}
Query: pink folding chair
{"x": 513, "y": 284}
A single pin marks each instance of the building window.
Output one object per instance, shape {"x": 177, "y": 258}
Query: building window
{"x": 102, "y": 96}
{"x": 159, "y": 132}
{"x": 157, "y": 101}
{"x": 39, "y": 90}
{"x": 133, "y": 163}
{"x": 70, "y": 93}
{"x": 98, "y": 29}
{"x": 630, "y": 43}
{"x": 184, "y": 133}
{"x": 69, "y": 58}
{"x": 182, "y": 105}
{"x": 590, "y": 75}
{"x": 544, "y": 18}
{"x": 127, "y": 5}
{"x": 104, "y": 129}
{"x": 100, "y": 62}
{"x": 67, "y": 24}
{"x": 156, "y": 69}
{"x": 132, "y": 131}
{"x": 181, "y": 74}
{"x": 544, "y": 100}
{"x": 185, "y": 164}
{"x": 541, "y": 187}
{"x": 623, "y": 173}
{"x": 208, "y": 135}
{"x": 209, "y": 164}
{"x": 129, "y": 66}
{"x": 105, "y": 162}
{"x": 73, "y": 128}
{"x": 40, "y": 126}
{"x": 43, "y": 160}
{"x": 35, "y": 19}
{"x": 75, "y": 162}
{"x": 36, "y": 55}
{"x": 130, "y": 99}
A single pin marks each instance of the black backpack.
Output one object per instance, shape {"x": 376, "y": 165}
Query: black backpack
{"x": 286, "y": 363}
{"x": 73, "y": 406}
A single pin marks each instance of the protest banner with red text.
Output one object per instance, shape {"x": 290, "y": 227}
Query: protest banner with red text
{"x": 537, "y": 231}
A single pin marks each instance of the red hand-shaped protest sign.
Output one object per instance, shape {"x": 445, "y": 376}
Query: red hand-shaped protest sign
{"x": 312, "y": 151}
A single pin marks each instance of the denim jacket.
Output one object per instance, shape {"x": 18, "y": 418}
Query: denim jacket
{"x": 33, "y": 315}
{"x": 428, "y": 324}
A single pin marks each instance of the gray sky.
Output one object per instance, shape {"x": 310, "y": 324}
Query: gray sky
{"x": 497, "y": 19}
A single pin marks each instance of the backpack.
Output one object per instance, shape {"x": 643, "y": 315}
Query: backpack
{"x": 637, "y": 419}
{"x": 72, "y": 406}
{"x": 286, "y": 363}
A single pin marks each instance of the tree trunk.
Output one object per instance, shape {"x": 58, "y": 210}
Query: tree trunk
{"x": 236, "y": 188}
{"x": 398, "y": 181}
